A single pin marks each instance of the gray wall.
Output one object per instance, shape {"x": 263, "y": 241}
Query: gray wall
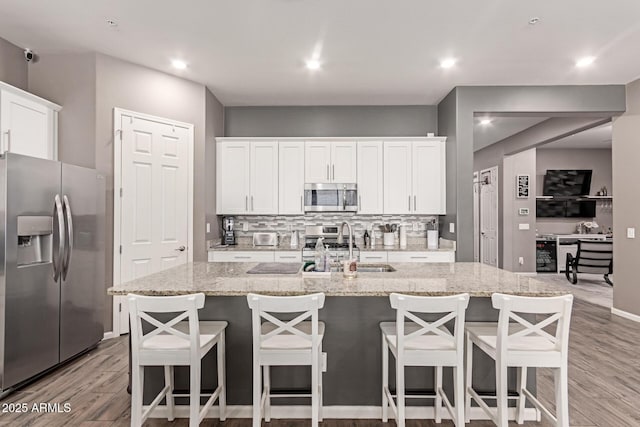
{"x": 13, "y": 67}
{"x": 597, "y": 160}
{"x": 70, "y": 80}
{"x": 412, "y": 120}
{"x": 626, "y": 157}
{"x": 214, "y": 126}
{"x": 447, "y": 122}
{"x": 601, "y": 101}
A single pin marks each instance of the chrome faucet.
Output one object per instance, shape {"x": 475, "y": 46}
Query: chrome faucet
{"x": 350, "y": 237}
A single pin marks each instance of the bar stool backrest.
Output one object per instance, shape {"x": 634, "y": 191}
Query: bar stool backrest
{"x": 264, "y": 307}
{"x": 557, "y": 309}
{"x": 452, "y": 308}
{"x": 186, "y": 308}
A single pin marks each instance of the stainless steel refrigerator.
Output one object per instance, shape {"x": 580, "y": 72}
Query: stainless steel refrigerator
{"x": 52, "y": 286}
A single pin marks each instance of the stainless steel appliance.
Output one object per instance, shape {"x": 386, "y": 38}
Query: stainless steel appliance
{"x": 337, "y": 251}
{"x": 52, "y": 286}
{"x": 228, "y": 236}
{"x": 330, "y": 198}
{"x": 265, "y": 239}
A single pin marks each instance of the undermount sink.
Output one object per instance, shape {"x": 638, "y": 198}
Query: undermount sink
{"x": 370, "y": 268}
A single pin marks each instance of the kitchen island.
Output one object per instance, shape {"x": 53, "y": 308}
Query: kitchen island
{"x": 353, "y": 310}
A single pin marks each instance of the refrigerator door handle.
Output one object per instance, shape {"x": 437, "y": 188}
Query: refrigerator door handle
{"x": 69, "y": 240}
{"x": 57, "y": 264}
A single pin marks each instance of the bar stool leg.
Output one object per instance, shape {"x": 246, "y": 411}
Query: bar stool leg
{"x": 194, "y": 394}
{"x": 400, "y": 421}
{"x": 438, "y": 386}
{"x": 458, "y": 393}
{"x": 315, "y": 387}
{"x": 320, "y": 364}
{"x": 562, "y": 396}
{"x": 501, "y": 394}
{"x": 257, "y": 393}
{"x": 266, "y": 374}
{"x": 469, "y": 378}
{"x": 385, "y": 380}
{"x": 168, "y": 381}
{"x": 222, "y": 378}
{"x": 137, "y": 382}
{"x": 522, "y": 384}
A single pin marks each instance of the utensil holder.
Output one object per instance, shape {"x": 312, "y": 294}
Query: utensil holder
{"x": 388, "y": 239}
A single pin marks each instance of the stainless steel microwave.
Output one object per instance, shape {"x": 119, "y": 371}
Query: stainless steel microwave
{"x": 330, "y": 198}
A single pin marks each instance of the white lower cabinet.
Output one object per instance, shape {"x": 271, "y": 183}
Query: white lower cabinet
{"x": 288, "y": 256}
{"x": 241, "y": 256}
{"x": 373, "y": 256}
{"x": 440, "y": 256}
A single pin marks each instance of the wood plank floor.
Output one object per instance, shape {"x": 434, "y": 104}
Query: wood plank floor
{"x": 604, "y": 389}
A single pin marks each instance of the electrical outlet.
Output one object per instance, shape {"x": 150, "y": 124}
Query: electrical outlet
{"x": 521, "y": 260}
{"x": 523, "y": 226}
{"x": 208, "y": 227}
{"x": 631, "y": 233}
{"x": 245, "y": 226}
{"x": 452, "y": 227}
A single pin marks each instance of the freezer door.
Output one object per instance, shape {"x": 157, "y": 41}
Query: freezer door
{"x": 83, "y": 289}
{"x": 32, "y": 295}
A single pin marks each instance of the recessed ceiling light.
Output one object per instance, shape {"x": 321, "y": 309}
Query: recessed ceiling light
{"x": 180, "y": 65}
{"x": 448, "y": 63}
{"x": 534, "y": 20}
{"x": 485, "y": 122}
{"x": 586, "y": 61}
{"x": 313, "y": 64}
{"x": 112, "y": 23}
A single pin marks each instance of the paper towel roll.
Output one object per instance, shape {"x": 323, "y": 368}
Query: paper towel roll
{"x": 403, "y": 236}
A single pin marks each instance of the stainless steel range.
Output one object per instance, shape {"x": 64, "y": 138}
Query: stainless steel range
{"x": 338, "y": 250}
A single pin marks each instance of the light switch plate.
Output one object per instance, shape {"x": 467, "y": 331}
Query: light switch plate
{"x": 523, "y": 226}
{"x": 631, "y": 233}
{"x": 452, "y": 227}
{"x": 523, "y": 211}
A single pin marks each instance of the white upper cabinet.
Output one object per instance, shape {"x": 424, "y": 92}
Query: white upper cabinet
{"x": 233, "y": 172}
{"x": 263, "y": 198}
{"x": 343, "y": 162}
{"x": 397, "y": 177}
{"x": 414, "y": 177}
{"x": 28, "y": 124}
{"x": 370, "y": 177}
{"x": 291, "y": 182}
{"x": 247, "y": 177}
{"x": 317, "y": 162}
{"x": 330, "y": 162}
{"x": 428, "y": 178}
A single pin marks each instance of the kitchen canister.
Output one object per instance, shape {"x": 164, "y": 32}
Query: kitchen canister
{"x": 388, "y": 239}
{"x": 403, "y": 237}
{"x": 432, "y": 239}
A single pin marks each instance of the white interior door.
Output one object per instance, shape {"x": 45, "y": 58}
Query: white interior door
{"x": 476, "y": 216}
{"x": 489, "y": 216}
{"x": 154, "y": 214}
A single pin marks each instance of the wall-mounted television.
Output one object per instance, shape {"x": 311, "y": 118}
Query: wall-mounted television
{"x": 565, "y": 208}
{"x": 567, "y": 182}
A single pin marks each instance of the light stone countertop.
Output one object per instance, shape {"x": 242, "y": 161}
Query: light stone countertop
{"x": 231, "y": 279}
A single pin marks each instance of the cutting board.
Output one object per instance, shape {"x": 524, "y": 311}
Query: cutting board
{"x": 276, "y": 268}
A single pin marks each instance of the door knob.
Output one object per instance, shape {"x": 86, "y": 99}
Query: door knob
{"x": 181, "y": 249}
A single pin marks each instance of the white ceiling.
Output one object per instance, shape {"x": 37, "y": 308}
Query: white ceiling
{"x": 500, "y": 128}
{"x": 597, "y": 137}
{"x": 252, "y": 52}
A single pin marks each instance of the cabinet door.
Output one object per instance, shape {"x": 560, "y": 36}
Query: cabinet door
{"x": 263, "y": 197}
{"x": 343, "y": 162}
{"x": 397, "y": 177}
{"x": 27, "y": 127}
{"x": 428, "y": 178}
{"x": 370, "y": 182}
{"x": 233, "y": 177}
{"x": 291, "y": 177}
{"x": 317, "y": 162}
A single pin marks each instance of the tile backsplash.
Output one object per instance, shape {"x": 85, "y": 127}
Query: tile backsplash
{"x": 416, "y": 224}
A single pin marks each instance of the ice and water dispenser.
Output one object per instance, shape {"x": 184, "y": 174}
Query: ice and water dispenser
{"x": 35, "y": 240}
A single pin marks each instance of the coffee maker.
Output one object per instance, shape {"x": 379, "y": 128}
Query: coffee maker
{"x": 229, "y": 236}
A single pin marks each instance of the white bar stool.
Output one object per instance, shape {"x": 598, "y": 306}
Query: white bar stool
{"x": 422, "y": 343}
{"x": 523, "y": 344}
{"x": 181, "y": 341}
{"x": 286, "y": 343}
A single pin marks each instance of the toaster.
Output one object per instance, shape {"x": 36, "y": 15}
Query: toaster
{"x": 265, "y": 239}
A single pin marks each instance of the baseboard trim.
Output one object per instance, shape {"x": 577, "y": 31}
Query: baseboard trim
{"x": 333, "y": 412}
{"x": 625, "y": 314}
{"x": 109, "y": 335}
